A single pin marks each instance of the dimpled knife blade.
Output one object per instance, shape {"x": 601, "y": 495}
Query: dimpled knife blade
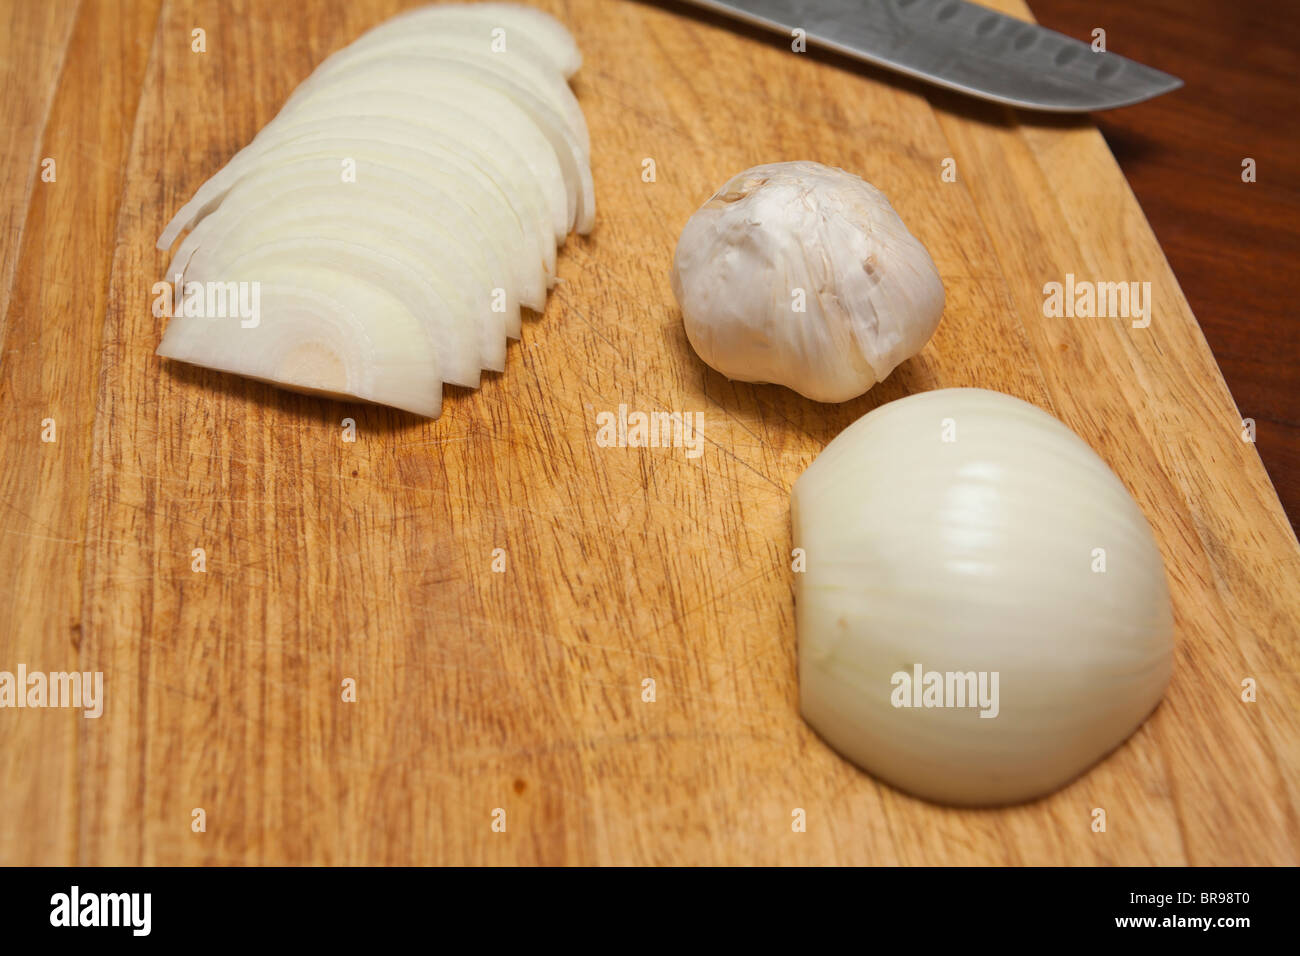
{"x": 964, "y": 47}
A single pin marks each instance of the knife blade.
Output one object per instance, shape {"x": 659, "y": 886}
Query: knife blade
{"x": 964, "y": 47}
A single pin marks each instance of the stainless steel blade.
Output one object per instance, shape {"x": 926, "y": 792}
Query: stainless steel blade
{"x": 964, "y": 47}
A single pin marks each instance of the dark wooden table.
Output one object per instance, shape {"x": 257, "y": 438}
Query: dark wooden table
{"x": 1234, "y": 246}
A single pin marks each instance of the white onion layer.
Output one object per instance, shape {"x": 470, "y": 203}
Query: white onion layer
{"x": 469, "y": 160}
{"x": 967, "y": 532}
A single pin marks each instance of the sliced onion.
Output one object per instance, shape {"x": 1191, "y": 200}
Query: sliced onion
{"x": 471, "y": 166}
{"x": 546, "y": 33}
{"x": 319, "y": 332}
{"x": 514, "y": 138}
{"x": 455, "y": 341}
{"x": 466, "y": 83}
{"x": 529, "y": 70}
{"x": 458, "y": 206}
{"x": 516, "y": 260}
{"x": 379, "y": 223}
{"x": 316, "y": 188}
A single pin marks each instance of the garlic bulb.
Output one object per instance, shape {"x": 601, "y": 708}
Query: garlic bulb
{"x": 984, "y": 612}
{"x": 803, "y": 275}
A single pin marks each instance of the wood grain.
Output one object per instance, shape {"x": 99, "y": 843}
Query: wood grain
{"x": 1231, "y": 244}
{"x": 522, "y": 690}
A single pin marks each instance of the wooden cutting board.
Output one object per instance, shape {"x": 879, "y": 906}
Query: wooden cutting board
{"x": 371, "y": 561}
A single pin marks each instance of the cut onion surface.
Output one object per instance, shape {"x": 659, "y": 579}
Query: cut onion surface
{"x": 395, "y": 216}
{"x": 446, "y": 227}
{"x": 546, "y": 33}
{"x": 515, "y": 65}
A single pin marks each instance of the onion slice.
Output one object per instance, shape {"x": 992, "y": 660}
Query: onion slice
{"x": 323, "y": 333}
{"x": 400, "y": 176}
{"x": 457, "y": 341}
{"x": 380, "y": 224}
{"x": 530, "y": 71}
{"x": 546, "y": 33}
{"x": 398, "y": 213}
{"x": 455, "y": 82}
{"x": 514, "y": 138}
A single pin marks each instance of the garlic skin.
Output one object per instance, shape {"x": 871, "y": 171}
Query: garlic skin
{"x": 785, "y": 235}
{"x": 957, "y": 529}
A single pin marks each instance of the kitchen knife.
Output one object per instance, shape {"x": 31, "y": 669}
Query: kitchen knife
{"x": 964, "y": 47}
